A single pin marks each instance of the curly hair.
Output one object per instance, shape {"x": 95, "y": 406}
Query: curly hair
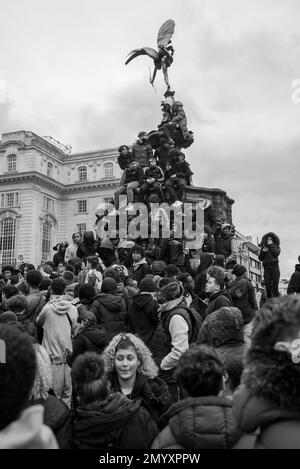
{"x": 200, "y": 371}
{"x": 16, "y": 375}
{"x": 279, "y": 319}
{"x": 89, "y": 377}
{"x": 147, "y": 366}
{"x": 17, "y": 303}
{"x": 43, "y": 376}
{"x": 218, "y": 274}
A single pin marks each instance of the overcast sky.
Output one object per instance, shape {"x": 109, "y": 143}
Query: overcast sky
{"x": 234, "y": 64}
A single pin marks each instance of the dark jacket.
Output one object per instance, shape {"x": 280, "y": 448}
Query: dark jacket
{"x": 218, "y": 300}
{"x": 243, "y": 297}
{"x": 181, "y": 169}
{"x": 294, "y": 283}
{"x": 267, "y": 405}
{"x": 116, "y": 423}
{"x": 269, "y": 258}
{"x": 155, "y": 173}
{"x": 91, "y": 338}
{"x": 197, "y": 423}
{"x": 209, "y": 244}
{"x": 143, "y": 316}
{"x": 132, "y": 175}
{"x": 59, "y": 257}
{"x": 125, "y": 160}
{"x": 35, "y": 303}
{"x": 111, "y": 312}
{"x": 153, "y": 393}
{"x": 162, "y": 154}
{"x": 140, "y": 272}
{"x": 88, "y": 247}
{"x": 142, "y": 152}
{"x": 171, "y": 252}
{"x": 58, "y": 417}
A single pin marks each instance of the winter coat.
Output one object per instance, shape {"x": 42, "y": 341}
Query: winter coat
{"x": 218, "y": 300}
{"x": 270, "y": 258}
{"x": 243, "y": 297}
{"x": 139, "y": 271}
{"x": 155, "y": 173}
{"x": 197, "y": 423}
{"x": 294, "y": 283}
{"x": 58, "y": 319}
{"x": 59, "y": 257}
{"x": 267, "y": 405}
{"x": 227, "y": 247}
{"x": 182, "y": 170}
{"x": 88, "y": 247}
{"x": 111, "y": 312}
{"x": 142, "y": 152}
{"x": 132, "y": 175}
{"x": 209, "y": 244}
{"x": 90, "y": 338}
{"x": 153, "y": 393}
{"x": 57, "y": 416}
{"x": 143, "y": 316}
{"x": 125, "y": 160}
{"x": 115, "y": 423}
{"x": 171, "y": 252}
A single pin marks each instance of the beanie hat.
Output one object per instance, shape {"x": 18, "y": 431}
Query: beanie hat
{"x": 68, "y": 276}
{"x": 109, "y": 285}
{"x": 172, "y": 269}
{"x": 147, "y": 285}
{"x": 171, "y": 290}
{"x": 222, "y": 326}
{"x": 239, "y": 270}
{"x": 8, "y": 316}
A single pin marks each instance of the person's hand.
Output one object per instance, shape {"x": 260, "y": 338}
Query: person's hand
{"x": 148, "y": 181}
{"x": 173, "y": 176}
{"x": 265, "y": 249}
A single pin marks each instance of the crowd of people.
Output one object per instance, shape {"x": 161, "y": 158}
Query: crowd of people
{"x": 136, "y": 346}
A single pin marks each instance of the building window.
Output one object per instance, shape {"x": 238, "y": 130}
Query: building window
{"x": 108, "y": 170}
{"x": 10, "y": 199}
{"x": 82, "y": 173}
{"x": 50, "y": 170}
{"x": 7, "y": 241}
{"x": 81, "y": 206}
{"x": 11, "y": 163}
{"x": 81, "y": 227}
{"x": 46, "y": 240}
{"x": 48, "y": 204}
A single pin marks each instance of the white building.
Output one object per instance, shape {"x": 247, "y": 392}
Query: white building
{"x": 248, "y": 256}
{"x": 46, "y": 194}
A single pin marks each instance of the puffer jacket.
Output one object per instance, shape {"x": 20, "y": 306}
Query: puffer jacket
{"x": 199, "y": 423}
{"x": 143, "y": 316}
{"x": 142, "y": 152}
{"x": 269, "y": 258}
{"x": 111, "y": 312}
{"x": 294, "y": 283}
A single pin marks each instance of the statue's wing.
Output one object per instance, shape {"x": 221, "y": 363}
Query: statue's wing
{"x": 165, "y": 33}
{"x": 152, "y": 53}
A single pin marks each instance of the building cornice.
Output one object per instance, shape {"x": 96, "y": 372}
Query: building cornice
{"x": 34, "y": 176}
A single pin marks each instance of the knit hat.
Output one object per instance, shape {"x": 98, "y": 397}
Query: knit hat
{"x": 147, "y": 285}
{"x": 172, "y": 269}
{"x": 171, "y": 290}
{"x": 239, "y": 270}
{"x": 226, "y": 325}
{"x": 109, "y": 285}
{"x": 8, "y": 316}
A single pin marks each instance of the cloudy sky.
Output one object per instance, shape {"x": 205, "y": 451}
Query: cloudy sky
{"x": 234, "y": 65}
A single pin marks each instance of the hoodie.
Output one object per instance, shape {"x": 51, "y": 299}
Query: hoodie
{"x": 143, "y": 316}
{"x": 28, "y": 432}
{"x": 115, "y": 423}
{"x": 58, "y": 319}
{"x": 111, "y": 312}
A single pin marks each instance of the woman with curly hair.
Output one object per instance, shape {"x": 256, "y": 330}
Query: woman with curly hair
{"x": 106, "y": 420}
{"x": 56, "y": 414}
{"x": 132, "y": 372}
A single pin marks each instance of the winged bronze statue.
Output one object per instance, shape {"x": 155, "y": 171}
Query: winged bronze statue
{"x": 163, "y": 57}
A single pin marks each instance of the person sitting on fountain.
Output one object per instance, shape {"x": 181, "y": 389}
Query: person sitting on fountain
{"x": 152, "y": 179}
{"x": 142, "y": 150}
{"x": 132, "y": 179}
{"x": 162, "y": 153}
{"x": 125, "y": 157}
{"x": 177, "y": 177}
